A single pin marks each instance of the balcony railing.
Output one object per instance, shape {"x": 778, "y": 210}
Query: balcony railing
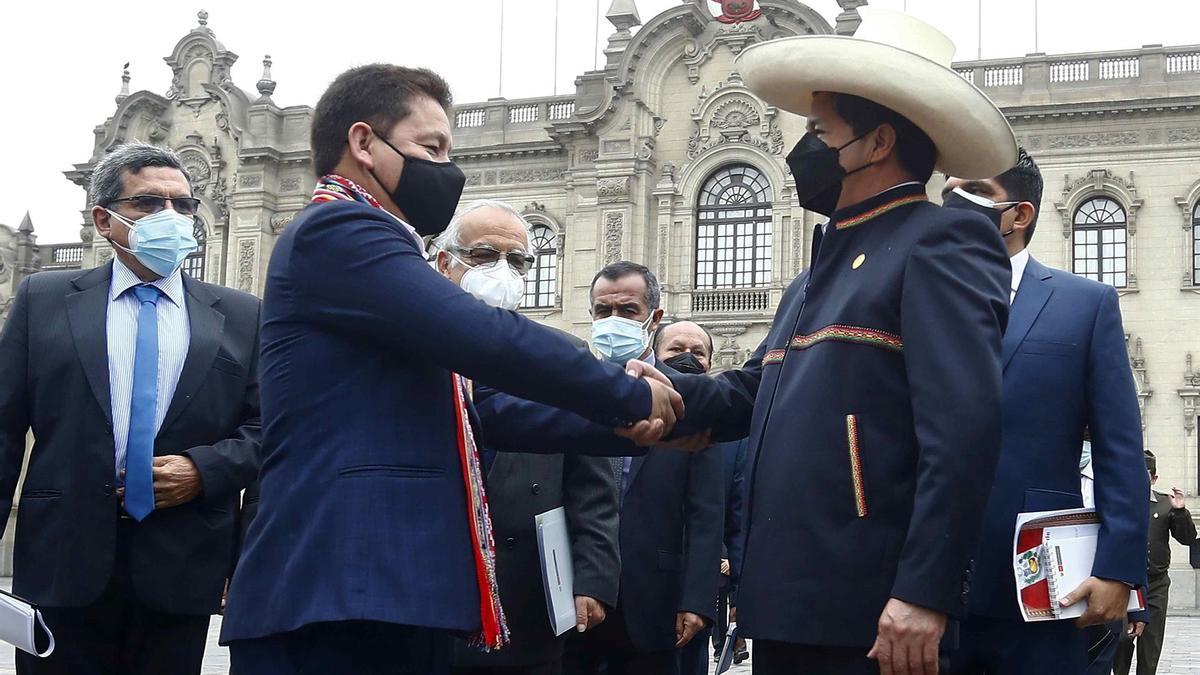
{"x": 563, "y": 110}
{"x": 65, "y": 256}
{"x": 1003, "y": 76}
{"x": 466, "y": 119}
{"x": 1069, "y": 71}
{"x": 733, "y": 300}
{"x": 520, "y": 114}
{"x": 1188, "y": 62}
{"x": 1120, "y": 69}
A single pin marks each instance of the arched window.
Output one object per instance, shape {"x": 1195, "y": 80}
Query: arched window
{"x": 1100, "y": 241}
{"x": 541, "y": 282}
{"x": 1196, "y": 244}
{"x": 733, "y": 229}
{"x": 193, "y": 265}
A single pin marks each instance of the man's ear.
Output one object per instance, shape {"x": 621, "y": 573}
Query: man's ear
{"x": 883, "y": 144}
{"x": 359, "y": 138}
{"x": 655, "y": 317}
{"x": 443, "y": 263}
{"x": 102, "y": 218}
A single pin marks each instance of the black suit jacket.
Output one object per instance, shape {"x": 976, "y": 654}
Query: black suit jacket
{"x": 54, "y": 380}
{"x": 520, "y": 486}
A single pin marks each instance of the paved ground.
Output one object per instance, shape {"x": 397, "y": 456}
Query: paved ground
{"x": 1181, "y": 655}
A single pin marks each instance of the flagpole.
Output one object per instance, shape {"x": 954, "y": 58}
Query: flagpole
{"x": 556, "y": 47}
{"x": 979, "y": 38}
{"x": 596, "y": 39}
{"x": 500, "y": 79}
{"x": 1036, "y": 47}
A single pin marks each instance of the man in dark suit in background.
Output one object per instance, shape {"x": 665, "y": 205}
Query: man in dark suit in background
{"x": 372, "y": 542}
{"x": 1066, "y": 371}
{"x": 688, "y": 348}
{"x": 485, "y": 250}
{"x": 670, "y": 512}
{"x": 140, "y": 386}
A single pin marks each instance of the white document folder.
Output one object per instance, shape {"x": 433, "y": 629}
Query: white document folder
{"x": 22, "y": 626}
{"x": 558, "y": 578}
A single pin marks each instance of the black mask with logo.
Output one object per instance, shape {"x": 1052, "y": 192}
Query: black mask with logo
{"x": 819, "y": 173}
{"x": 686, "y": 363}
{"x": 427, "y": 192}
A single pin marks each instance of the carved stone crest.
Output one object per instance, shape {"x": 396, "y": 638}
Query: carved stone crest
{"x": 197, "y": 166}
{"x": 612, "y": 189}
{"x": 245, "y": 265}
{"x": 614, "y": 229}
{"x": 279, "y": 221}
{"x": 722, "y": 118}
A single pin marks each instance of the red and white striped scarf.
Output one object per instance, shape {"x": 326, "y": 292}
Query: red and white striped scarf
{"x": 494, "y": 633}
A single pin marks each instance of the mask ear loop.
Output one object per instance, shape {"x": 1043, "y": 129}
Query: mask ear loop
{"x": 848, "y": 144}
{"x": 128, "y": 223}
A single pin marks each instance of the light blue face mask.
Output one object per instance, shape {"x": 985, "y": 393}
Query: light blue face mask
{"x": 160, "y": 241}
{"x": 619, "y": 340}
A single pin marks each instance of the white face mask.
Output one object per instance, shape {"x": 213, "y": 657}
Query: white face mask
{"x": 497, "y": 284}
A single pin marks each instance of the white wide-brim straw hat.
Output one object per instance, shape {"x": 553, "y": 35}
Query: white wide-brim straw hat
{"x": 899, "y": 62}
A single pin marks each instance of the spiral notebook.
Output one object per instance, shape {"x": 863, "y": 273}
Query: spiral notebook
{"x": 1053, "y": 554}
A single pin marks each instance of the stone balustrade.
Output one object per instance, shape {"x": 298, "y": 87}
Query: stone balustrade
{"x": 731, "y": 301}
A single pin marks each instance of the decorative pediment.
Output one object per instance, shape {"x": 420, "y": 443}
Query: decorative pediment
{"x": 198, "y": 59}
{"x": 731, "y": 114}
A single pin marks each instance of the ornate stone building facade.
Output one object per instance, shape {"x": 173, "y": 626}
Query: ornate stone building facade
{"x": 664, "y": 157}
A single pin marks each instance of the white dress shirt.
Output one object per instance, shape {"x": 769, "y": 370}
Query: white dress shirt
{"x": 1019, "y": 261}
{"x": 174, "y": 338}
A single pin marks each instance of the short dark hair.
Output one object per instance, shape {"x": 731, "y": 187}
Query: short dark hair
{"x": 914, "y": 149}
{"x": 107, "y": 181}
{"x": 623, "y": 268}
{"x": 658, "y": 334}
{"x": 378, "y": 94}
{"x": 1023, "y": 183}
{"x": 1151, "y": 462}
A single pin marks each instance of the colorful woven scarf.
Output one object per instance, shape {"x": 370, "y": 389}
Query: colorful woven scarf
{"x": 494, "y": 634}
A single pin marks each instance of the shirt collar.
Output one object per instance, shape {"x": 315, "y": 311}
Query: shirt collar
{"x": 124, "y": 279}
{"x": 868, "y": 209}
{"x": 1018, "y": 261}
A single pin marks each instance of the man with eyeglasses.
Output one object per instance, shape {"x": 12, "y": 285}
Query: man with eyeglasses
{"x": 139, "y": 384}
{"x": 485, "y": 250}
{"x": 1065, "y": 372}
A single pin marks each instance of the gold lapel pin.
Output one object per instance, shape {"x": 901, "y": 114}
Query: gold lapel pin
{"x": 858, "y": 262}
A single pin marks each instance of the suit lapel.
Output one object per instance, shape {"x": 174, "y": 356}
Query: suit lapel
{"x": 635, "y": 465}
{"x": 207, "y": 329}
{"x": 87, "y": 314}
{"x": 1032, "y": 296}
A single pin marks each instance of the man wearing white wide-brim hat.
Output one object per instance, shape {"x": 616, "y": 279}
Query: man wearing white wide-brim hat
{"x": 873, "y": 405}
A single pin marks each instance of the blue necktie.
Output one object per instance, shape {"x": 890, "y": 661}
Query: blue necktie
{"x": 139, "y": 449}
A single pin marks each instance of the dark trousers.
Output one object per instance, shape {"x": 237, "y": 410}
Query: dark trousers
{"x": 722, "y": 625}
{"x": 1102, "y": 644}
{"x": 785, "y": 658}
{"x": 552, "y": 668}
{"x": 607, "y": 649}
{"x": 344, "y": 648}
{"x": 694, "y": 656}
{"x": 1149, "y": 645}
{"x": 990, "y": 646}
{"x": 117, "y": 634}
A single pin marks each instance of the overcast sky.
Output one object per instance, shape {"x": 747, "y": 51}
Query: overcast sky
{"x": 62, "y": 62}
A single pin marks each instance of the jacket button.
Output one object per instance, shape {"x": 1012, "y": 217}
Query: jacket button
{"x": 108, "y": 490}
{"x": 510, "y": 543}
{"x": 536, "y": 489}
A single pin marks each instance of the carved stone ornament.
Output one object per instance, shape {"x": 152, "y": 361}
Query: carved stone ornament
{"x": 289, "y": 184}
{"x": 537, "y": 175}
{"x": 614, "y": 228}
{"x": 733, "y": 118}
{"x": 250, "y": 181}
{"x": 197, "y": 166}
{"x": 245, "y": 265}
{"x": 279, "y": 221}
{"x": 612, "y": 189}
{"x": 219, "y": 193}
{"x": 1190, "y": 393}
{"x": 1185, "y": 135}
{"x": 1116, "y": 138}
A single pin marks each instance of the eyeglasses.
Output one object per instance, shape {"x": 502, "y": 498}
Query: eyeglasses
{"x": 520, "y": 261}
{"x": 184, "y": 206}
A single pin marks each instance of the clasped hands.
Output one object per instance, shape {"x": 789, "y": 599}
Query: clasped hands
{"x": 666, "y": 407}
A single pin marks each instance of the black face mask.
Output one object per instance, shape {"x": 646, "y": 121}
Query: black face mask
{"x": 427, "y": 192}
{"x": 957, "y": 201}
{"x": 818, "y": 173}
{"x": 685, "y": 363}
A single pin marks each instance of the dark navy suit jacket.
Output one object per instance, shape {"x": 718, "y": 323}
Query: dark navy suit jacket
{"x": 1066, "y": 369}
{"x": 873, "y": 409}
{"x": 362, "y": 513}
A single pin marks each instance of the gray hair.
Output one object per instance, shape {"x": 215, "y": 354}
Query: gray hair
{"x": 107, "y": 176}
{"x": 452, "y": 235}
